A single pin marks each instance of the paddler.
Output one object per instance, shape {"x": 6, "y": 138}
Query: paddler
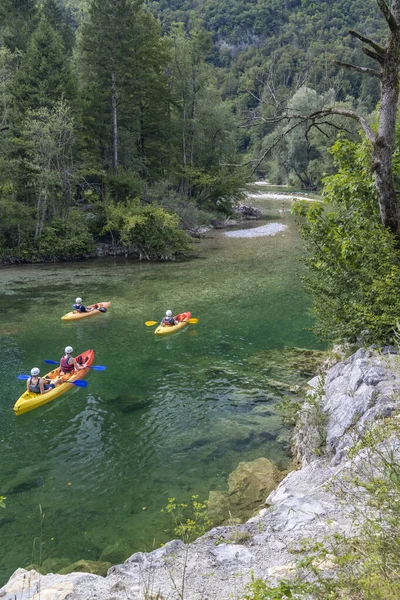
{"x": 79, "y": 307}
{"x": 68, "y": 363}
{"x": 168, "y": 320}
{"x": 37, "y": 384}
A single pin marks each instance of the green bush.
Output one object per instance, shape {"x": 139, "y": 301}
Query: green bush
{"x": 149, "y": 232}
{"x": 353, "y": 264}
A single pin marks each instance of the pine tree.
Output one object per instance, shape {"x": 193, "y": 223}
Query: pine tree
{"x": 56, "y": 17}
{"x": 123, "y": 59}
{"x": 45, "y": 75}
{"x": 18, "y": 19}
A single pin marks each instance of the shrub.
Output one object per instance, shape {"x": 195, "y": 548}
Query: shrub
{"x": 150, "y": 232}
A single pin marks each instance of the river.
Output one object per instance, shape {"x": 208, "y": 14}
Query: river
{"x": 170, "y": 417}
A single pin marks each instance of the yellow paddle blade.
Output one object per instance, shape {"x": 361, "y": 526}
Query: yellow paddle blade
{"x": 150, "y": 323}
{"x": 194, "y": 321}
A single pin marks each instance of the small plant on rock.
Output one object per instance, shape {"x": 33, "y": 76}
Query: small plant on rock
{"x": 190, "y": 520}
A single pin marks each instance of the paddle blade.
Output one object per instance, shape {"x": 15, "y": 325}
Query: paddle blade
{"x": 23, "y": 377}
{"x": 151, "y": 323}
{"x": 194, "y": 321}
{"x": 99, "y": 368}
{"x": 78, "y": 383}
{"x": 51, "y": 362}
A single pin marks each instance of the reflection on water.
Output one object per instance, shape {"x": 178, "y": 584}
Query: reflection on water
{"x": 170, "y": 416}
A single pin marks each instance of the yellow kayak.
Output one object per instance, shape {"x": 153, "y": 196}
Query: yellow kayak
{"x": 75, "y": 314}
{"x": 183, "y": 321}
{"x": 30, "y": 400}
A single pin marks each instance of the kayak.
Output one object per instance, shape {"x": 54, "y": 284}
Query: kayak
{"x": 183, "y": 321}
{"x": 75, "y": 314}
{"x": 30, "y": 400}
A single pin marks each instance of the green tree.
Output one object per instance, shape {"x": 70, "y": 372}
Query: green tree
{"x": 18, "y": 19}
{"x": 204, "y": 127}
{"x": 49, "y": 138}
{"x": 45, "y": 75}
{"x": 123, "y": 60}
{"x": 353, "y": 264}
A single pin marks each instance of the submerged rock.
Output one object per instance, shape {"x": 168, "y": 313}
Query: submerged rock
{"x": 87, "y": 566}
{"x": 25, "y": 479}
{"x": 115, "y": 553}
{"x": 50, "y": 565}
{"x": 248, "y": 486}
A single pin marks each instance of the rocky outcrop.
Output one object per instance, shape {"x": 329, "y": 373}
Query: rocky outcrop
{"x": 353, "y": 395}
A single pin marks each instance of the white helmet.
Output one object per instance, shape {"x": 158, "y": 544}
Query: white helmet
{"x": 35, "y": 371}
{"x": 68, "y": 350}
{"x": 78, "y": 300}
{"x": 169, "y": 313}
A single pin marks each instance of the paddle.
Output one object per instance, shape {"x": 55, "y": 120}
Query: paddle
{"x": 151, "y": 323}
{"x": 98, "y": 368}
{"x": 78, "y": 382}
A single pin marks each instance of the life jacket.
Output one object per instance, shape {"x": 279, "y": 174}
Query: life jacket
{"x": 168, "y": 321}
{"x": 79, "y": 307}
{"x": 65, "y": 365}
{"x": 35, "y": 389}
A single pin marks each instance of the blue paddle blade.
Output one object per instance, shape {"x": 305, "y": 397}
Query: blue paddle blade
{"x": 78, "y": 382}
{"x": 23, "y": 377}
{"x": 52, "y": 362}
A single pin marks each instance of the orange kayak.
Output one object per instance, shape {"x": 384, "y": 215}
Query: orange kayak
{"x": 75, "y": 314}
{"x": 30, "y": 400}
{"x": 182, "y": 322}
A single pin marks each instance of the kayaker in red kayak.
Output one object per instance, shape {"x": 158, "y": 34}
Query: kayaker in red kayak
{"x": 37, "y": 384}
{"x": 168, "y": 320}
{"x": 68, "y": 364}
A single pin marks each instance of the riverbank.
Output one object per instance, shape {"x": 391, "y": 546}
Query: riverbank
{"x": 311, "y": 503}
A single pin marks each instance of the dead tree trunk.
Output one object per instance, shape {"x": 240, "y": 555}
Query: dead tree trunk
{"x": 384, "y": 140}
{"x": 114, "y": 120}
{"x": 388, "y": 59}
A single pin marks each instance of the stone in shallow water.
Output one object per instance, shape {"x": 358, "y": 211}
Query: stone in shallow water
{"x": 248, "y": 487}
{"x": 116, "y": 553}
{"x": 87, "y": 566}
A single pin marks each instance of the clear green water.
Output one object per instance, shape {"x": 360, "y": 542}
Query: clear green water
{"x": 170, "y": 416}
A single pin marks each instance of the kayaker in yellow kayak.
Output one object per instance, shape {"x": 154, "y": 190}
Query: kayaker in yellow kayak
{"x": 168, "y": 320}
{"x": 68, "y": 363}
{"x": 78, "y": 306}
{"x": 37, "y": 384}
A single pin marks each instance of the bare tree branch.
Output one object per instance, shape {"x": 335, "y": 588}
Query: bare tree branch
{"x": 377, "y": 47}
{"x": 374, "y": 55}
{"x": 389, "y": 16}
{"x": 358, "y": 69}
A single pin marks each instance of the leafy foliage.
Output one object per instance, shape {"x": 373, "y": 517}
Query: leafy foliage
{"x": 190, "y": 521}
{"x": 149, "y": 232}
{"x": 353, "y": 263}
{"x": 141, "y": 113}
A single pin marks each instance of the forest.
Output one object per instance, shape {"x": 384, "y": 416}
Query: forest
{"x": 125, "y": 123}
